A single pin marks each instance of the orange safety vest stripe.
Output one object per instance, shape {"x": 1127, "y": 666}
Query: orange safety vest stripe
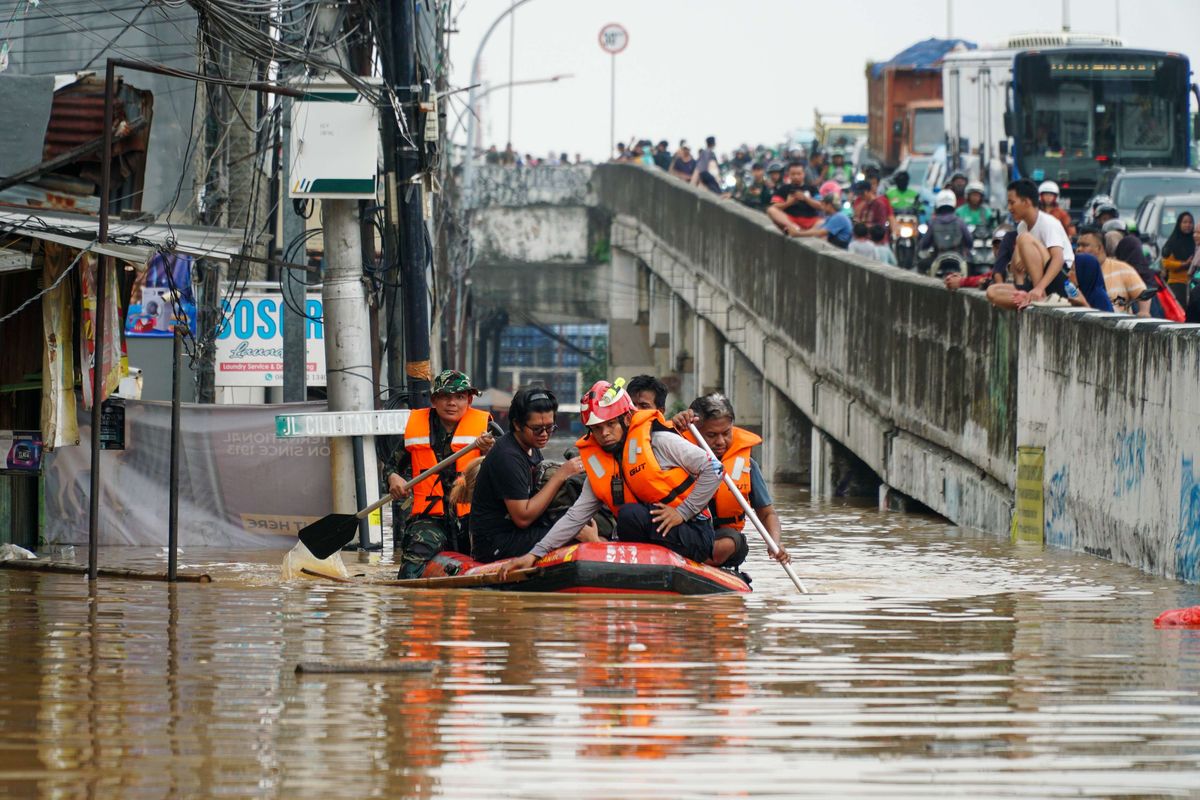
{"x": 636, "y": 476}
{"x": 427, "y": 495}
{"x": 727, "y": 511}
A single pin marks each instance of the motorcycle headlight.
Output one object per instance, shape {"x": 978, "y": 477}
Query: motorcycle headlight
{"x": 906, "y": 231}
{"x": 923, "y": 228}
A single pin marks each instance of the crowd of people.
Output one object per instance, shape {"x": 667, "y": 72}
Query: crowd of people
{"x": 635, "y": 477}
{"x": 1036, "y": 247}
{"x": 508, "y": 157}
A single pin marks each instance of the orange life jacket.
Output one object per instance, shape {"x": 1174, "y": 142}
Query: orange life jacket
{"x": 635, "y": 477}
{"x": 427, "y": 495}
{"x": 727, "y": 511}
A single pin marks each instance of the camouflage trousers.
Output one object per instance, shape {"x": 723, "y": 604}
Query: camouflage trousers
{"x": 424, "y": 538}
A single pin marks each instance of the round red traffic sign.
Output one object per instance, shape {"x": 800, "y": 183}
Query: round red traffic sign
{"x": 613, "y": 38}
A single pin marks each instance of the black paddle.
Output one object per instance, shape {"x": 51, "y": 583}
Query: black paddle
{"x": 332, "y": 532}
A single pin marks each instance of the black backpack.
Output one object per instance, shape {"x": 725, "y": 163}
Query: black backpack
{"x": 947, "y": 235}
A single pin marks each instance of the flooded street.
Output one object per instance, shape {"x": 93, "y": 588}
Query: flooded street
{"x": 934, "y": 663}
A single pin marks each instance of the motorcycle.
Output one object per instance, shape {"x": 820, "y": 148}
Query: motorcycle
{"x": 948, "y": 264}
{"x": 982, "y": 259}
{"x": 909, "y": 231}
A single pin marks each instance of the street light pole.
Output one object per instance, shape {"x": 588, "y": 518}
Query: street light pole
{"x": 612, "y": 108}
{"x": 468, "y": 173}
{"x": 512, "y": 38}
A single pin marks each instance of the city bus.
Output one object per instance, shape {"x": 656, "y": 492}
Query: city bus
{"x": 1064, "y": 107}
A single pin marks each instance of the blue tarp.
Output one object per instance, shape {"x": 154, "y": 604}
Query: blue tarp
{"x": 922, "y": 56}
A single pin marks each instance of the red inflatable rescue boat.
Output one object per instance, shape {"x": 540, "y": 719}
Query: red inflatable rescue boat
{"x": 602, "y": 568}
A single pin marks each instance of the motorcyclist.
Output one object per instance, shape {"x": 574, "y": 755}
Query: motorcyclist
{"x": 774, "y": 174}
{"x": 958, "y": 185}
{"x": 900, "y": 195}
{"x": 838, "y": 170}
{"x": 974, "y": 212}
{"x": 1048, "y": 193}
{"x": 947, "y": 232}
{"x": 1104, "y": 210}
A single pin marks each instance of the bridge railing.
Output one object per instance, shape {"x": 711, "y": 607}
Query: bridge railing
{"x": 940, "y": 365}
{"x": 530, "y": 186}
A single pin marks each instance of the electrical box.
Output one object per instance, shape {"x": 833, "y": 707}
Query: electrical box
{"x": 334, "y": 147}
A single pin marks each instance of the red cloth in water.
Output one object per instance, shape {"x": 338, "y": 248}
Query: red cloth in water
{"x": 1179, "y": 617}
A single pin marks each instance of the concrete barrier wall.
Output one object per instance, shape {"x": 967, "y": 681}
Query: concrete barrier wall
{"x": 1116, "y": 404}
{"x": 937, "y": 365}
{"x": 934, "y": 390}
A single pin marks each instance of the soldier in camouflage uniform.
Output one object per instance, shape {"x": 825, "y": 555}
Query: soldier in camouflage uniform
{"x": 432, "y": 435}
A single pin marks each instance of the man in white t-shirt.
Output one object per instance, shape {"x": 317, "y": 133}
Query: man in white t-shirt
{"x": 1042, "y": 256}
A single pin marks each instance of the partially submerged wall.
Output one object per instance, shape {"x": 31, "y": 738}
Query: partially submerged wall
{"x": 935, "y": 390}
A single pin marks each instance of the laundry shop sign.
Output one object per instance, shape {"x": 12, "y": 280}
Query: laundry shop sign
{"x": 250, "y": 344}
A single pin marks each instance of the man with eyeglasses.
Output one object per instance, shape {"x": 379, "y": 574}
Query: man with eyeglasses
{"x": 431, "y": 435}
{"x": 656, "y": 484}
{"x": 508, "y": 514}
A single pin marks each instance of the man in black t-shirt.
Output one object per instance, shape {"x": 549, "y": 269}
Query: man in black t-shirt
{"x": 507, "y": 516}
{"x": 794, "y": 206}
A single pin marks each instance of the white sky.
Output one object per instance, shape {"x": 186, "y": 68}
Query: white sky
{"x": 742, "y": 70}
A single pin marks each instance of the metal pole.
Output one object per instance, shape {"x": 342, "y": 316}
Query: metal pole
{"x": 512, "y": 38}
{"x": 360, "y": 495}
{"x": 612, "y": 109}
{"x": 468, "y": 172}
{"x": 949, "y": 19}
{"x": 1066, "y": 16}
{"x": 99, "y": 326}
{"x": 173, "y": 507}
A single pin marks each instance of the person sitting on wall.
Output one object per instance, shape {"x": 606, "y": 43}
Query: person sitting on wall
{"x": 794, "y": 206}
{"x": 713, "y": 416}
{"x": 656, "y": 483}
{"x": 508, "y": 510}
{"x": 431, "y": 435}
{"x": 1041, "y": 257}
{"x": 835, "y": 227}
{"x": 648, "y": 393}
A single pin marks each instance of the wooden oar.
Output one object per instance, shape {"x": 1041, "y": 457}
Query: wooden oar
{"x": 750, "y": 515}
{"x": 332, "y": 532}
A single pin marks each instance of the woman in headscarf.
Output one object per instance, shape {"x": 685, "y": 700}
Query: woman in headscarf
{"x": 1089, "y": 278}
{"x": 1177, "y": 255}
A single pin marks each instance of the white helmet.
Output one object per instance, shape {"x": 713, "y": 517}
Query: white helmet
{"x": 945, "y": 198}
{"x": 1049, "y": 187}
{"x": 975, "y": 186}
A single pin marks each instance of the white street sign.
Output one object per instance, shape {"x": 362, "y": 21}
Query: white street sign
{"x": 613, "y": 38}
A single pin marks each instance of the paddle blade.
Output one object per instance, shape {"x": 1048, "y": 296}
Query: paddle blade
{"x": 329, "y": 534}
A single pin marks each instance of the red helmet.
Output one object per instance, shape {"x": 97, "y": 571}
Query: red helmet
{"x": 605, "y": 401}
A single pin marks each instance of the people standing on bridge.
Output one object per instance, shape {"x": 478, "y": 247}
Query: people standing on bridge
{"x": 861, "y": 244}
{"x": 707, "y": 164}
{"x": 835, "y": 227}
{"x": 508, "y": 511}
{"x": 1048, "y": 197}
{"x": 1177, "y": 254}
{"x": 713, "y": 416}
{"x": 1089, "y": 277}
{"x": 794, "y": 207}
{"x": 683, "y": 165}
{"x": 1042, "y": 254}
{"x": 648, "y": 393}
{"x": 814, "y": 173}
{"x": 431, "y": 435}
{"x": 657, "y": 484}
{"x": 883, "y": 253}
{"x": 873, "y": 208}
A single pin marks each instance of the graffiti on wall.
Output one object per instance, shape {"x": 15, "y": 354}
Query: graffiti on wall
{"x": 527, "y": 186}
{"x": 1187, "y": 545}
{"x": 1060, "y": 528}
{"x": 1129, "y": 462}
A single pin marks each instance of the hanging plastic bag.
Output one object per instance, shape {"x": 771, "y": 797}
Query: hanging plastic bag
{"x": 300, "y": 558}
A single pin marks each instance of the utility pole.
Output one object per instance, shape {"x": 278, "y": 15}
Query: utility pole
{"x": 347, "y": 337}
{"x": 295, "y": 351}
{"x": 1066, "y": 16}
{"x": 949, "y": 19}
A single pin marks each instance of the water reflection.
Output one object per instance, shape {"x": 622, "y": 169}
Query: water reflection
{"x": 936, "y": 662}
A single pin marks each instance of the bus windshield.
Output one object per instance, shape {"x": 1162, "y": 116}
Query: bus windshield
{"x": 1081, "y": 111}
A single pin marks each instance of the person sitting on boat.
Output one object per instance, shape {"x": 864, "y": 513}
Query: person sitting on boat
{"x": 431, "y": 435}
{"x": 655, "y": 482}
{"x": 713, "y": 416}
{"x": 648, "y": 393}
{"x": 509, "y": 511}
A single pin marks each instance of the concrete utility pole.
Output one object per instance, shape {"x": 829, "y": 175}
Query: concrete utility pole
{"x": 1066, "y": 16}
{"x": 349, "y": 383}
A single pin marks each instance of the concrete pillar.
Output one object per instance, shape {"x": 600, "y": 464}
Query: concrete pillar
{"x": 821, "y": 472}
{"x": 744, "y": 385}
{"x": 683, "y": 351}
{"x": 629, "y": 351}
{"x": 710, "y": 357}
{"x": 660, "y": 318}
{"x": 787, "y": 439}
{"x": 892, "y": 500}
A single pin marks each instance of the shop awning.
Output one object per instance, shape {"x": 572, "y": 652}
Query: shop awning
{"x": 135, "y": 242}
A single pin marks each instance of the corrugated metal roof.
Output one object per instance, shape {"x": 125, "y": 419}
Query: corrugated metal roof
{"x": 77, "y": 117}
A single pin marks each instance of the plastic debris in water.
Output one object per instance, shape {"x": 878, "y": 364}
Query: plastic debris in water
{"x": 1179, "y": 618}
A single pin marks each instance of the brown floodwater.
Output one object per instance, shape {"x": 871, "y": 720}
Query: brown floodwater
{"x": 934, "y": 662}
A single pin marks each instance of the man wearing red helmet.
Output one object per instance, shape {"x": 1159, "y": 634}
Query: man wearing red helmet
{"x": 656, "y": 483}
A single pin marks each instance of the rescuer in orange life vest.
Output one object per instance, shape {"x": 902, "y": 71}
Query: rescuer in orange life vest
{"x": 713, "y": 417}
{"x": 431, "y": 435}
{"x": 656, "y": 483}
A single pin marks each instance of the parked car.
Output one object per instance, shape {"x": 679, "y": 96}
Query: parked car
{"x": 1157, "y": 214}
{"x": 926, "y": 174}
{"x": 1129, "y": 186}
